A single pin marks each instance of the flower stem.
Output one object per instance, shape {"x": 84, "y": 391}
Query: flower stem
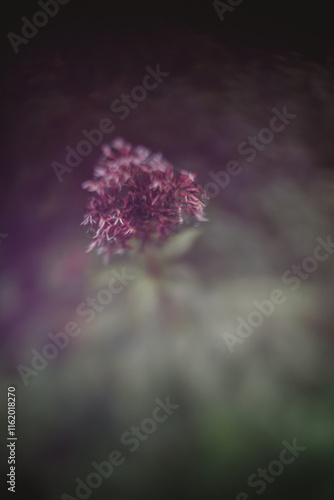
{"x": 153, "y": 266}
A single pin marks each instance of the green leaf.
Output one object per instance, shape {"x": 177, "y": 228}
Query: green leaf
{"x": 180, "y": 244}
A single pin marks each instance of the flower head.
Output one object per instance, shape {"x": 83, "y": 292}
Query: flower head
{"x": 138, "y": 194}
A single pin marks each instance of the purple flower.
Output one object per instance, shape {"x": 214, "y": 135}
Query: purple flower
{"x": 137, "y": 194}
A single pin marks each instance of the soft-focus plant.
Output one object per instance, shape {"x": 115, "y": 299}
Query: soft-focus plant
{"x": 138, "y": 197}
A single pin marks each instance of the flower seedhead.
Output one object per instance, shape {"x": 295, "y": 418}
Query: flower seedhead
{"x": 136, "y": 194}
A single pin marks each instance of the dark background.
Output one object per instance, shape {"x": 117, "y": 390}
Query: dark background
{"x": 83, "y": 29}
